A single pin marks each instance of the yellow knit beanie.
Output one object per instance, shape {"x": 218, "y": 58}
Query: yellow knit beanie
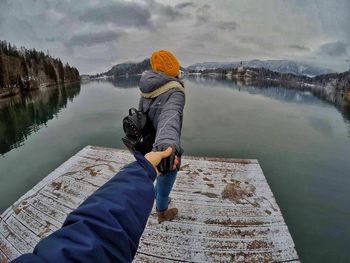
{"x": 166, "y": 62}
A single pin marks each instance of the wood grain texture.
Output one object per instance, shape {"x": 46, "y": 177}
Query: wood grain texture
{"x": 227, "y": 212}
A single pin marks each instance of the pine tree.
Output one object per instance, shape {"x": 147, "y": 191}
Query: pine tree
{"x": 60, "y": 71}
{"x": 24, "y": 68}
{"x": 49, "y": 70}
{"x": 2, "y": 72}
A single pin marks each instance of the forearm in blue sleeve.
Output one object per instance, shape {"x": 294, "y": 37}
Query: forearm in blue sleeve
{"x": 108, "y": 225}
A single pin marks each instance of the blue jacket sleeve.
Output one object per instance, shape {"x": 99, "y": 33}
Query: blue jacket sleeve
{"x": 108, "y": 225}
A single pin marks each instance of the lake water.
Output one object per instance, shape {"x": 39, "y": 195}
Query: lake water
{"x": 301, "y": 142}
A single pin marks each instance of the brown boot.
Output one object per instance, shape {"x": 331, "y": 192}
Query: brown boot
{"x": 167, "y": 215}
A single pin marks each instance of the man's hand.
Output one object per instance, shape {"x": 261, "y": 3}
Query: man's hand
{"x": 155, "y": 157}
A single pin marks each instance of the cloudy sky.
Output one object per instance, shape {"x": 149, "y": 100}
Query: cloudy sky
{"x": 93, "y": 35}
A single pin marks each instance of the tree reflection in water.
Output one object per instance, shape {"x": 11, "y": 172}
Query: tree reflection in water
{"x": 23, "y": 115}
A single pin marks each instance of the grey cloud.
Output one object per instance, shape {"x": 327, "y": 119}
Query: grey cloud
{"x": 94, "y": 38}
{"x": 138, "y": 15}
{"x": 334, "y": 49}
{"x": 203, "y": 14}
{"x": 5, "y": 7}
{"x": 169, "y": 12}
{"x": 21, "y": 31}
{"x": 125, "y": 14}
{"x": 299, "y": 47}
{"x": 204, "y": 17}
{"x": 201, "y": 29}
{"x": 258, "y": 42}
{"x": 164, "y": 14}
{"x": 52, "y": 39}
{"x": 223, "y": 25}
{"x": 185, "y": 5}
{"x": 209, "y": 36}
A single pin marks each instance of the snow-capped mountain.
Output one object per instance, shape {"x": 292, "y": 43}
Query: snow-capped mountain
{"x": 281, "y": 66}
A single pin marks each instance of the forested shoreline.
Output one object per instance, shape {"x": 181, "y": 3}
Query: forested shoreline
{"x": 22, "y": 70}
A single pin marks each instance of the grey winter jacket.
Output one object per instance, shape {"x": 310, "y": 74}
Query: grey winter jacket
{"x": 165, "y": 111}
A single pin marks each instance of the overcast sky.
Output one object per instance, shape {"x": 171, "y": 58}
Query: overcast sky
{"x": 93, "y": 35}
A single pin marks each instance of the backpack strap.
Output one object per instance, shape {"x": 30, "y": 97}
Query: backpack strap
{"x": 162, "y": 89}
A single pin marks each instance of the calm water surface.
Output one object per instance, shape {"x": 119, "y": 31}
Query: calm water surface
{"x": 301, "y": 142}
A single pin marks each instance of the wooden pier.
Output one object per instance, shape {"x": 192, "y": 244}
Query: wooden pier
{"x": 227, "y": 212}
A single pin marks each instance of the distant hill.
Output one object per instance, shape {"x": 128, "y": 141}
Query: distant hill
{"x": 127, "y": 68}
{"x": 131, "y": 68}
{"x": 23, "y": 70}
{"x": 281, "y": 66}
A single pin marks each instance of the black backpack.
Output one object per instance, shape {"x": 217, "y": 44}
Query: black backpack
{"x": 139, "y": 131}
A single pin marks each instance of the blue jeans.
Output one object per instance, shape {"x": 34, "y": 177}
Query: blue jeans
{"x": 163, "y": 188}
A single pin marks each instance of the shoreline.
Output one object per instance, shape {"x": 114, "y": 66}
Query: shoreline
{"x": 13, "y": 92}
{"x": 327, "y": 91}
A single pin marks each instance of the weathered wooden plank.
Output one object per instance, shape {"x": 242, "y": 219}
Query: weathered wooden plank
{"x": 209, "y": 199}
{"x": 37, "y": 222}
{"x": 70, "y": 201}
{"x": 31, "y": 222}
{"x": 3, "y": 258}
{"x": 49, "y": 210}
{"x": 196, "y": 254}
{"x": 21, "y": 230}
{"x": 7, "y": 250}
{"x": 98, "y": 180}
{"x": 227, "y": 212}
{"x": 54, "y": 203}
{"x": 71, "y": 187}
{"x": 184, "y": 228}
{"x": 15, "y": 240}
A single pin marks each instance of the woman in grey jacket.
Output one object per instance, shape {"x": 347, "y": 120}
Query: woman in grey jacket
{"x": 163, "y": 97}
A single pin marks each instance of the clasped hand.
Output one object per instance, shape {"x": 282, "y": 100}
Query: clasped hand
{"x": 155, "y": 158}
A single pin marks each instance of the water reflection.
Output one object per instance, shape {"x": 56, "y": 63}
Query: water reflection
{"x": 270, "y": 90}
{"x": 284, "y": 93}
{"x": 21, "y": 116}
{"x": 130, "y": 82}
{"x": 274, "y": 92}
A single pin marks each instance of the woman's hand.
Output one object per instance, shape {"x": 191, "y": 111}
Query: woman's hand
{"x": 155, "y": 157}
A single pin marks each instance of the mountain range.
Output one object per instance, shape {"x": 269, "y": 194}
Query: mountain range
{"x": 320, "y": 81}
{"x": 280, "y": 66}
{"x": 128, "y": 68}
